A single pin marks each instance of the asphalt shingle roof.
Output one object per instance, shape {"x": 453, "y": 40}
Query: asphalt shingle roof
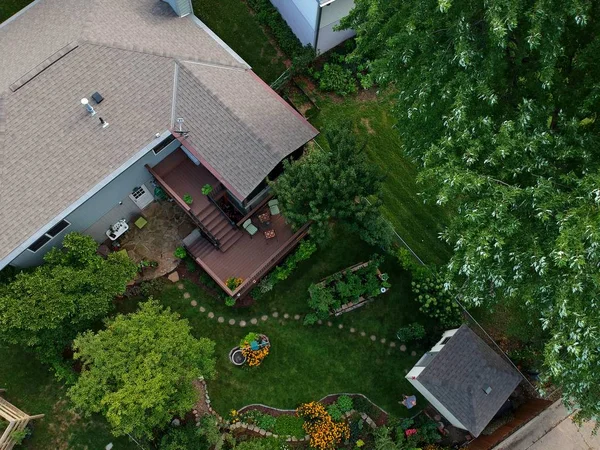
{"x": 140, "y": 56}
{"x": 459, "y": 373}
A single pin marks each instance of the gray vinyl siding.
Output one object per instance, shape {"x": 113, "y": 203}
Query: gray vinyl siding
{"x": 331, "y": 15}
{"x": 181, "y": 7}
{"x": 100, "y": 211}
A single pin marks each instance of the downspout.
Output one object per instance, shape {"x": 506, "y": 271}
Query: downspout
{"x": 318, "y": 26}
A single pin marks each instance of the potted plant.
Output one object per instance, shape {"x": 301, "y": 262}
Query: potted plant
{"x": 233, "y": 282}
{"x": 188, "y": 199}
{"x": 207, "y": 189}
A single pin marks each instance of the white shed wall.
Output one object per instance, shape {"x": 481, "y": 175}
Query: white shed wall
{"x": 301, "y": 16}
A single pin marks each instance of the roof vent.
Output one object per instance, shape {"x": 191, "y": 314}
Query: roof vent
{"x": 487, "y": 389}
{"x": 97, "y": 97}
{"x": 85, "y": 102}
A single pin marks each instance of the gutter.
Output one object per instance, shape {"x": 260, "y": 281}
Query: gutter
{"x": 318, "y": 25}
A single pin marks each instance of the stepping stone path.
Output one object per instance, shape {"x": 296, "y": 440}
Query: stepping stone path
{"x": 373, "y": 337}
{"x": 231, "y": 321}
{"x": 202, "y": 309}
{"x": 275, "y": 314}
{"x": 403, "y": 348}
{"x": 340, "y": 326}
{"x": 173, "y": 277}
{"x": 186, "y": 295}
{"x": 382, "y": 340}
{"x": 297, "y": 317}
{"x": 352, "y": 330}
{"x": 320, "y": 322}
{"x": 211, "y": 315}
{"x": 413, "y": 353}
{"x": 194, "y": 303}
{"x": 329, "y": 324}
{"x": 254, "y": 321}
{"x": 221, "y": 319}
{"x": 392, "y": 344}
{"x": 180, "y": 286}
{"x": 363, "y": 334}
{"x": 264, "y": 318}
{"x": 242, "y": 323}
{"x": 286, "y": 316}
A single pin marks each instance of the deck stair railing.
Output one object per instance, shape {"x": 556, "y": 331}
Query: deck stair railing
{"x": 214, "y": 195}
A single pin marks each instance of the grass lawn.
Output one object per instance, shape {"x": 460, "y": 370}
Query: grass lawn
{"x": 32, "y": 388}
{"x": 417, "y": 223}
{"x": 309, "y": 362}
{"x": 10, "y": 7}
{"x": 233, "y": 22}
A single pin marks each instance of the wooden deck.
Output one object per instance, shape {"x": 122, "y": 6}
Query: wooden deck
{"x": 224, "y": 250}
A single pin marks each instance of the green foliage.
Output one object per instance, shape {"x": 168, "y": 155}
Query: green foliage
{"x": 261, "y": 420}
{"x": 138, "y": 371}
{"x": 207, "y": 189}
{"x": 230, "y": 301}
{"x": 248, "y": 338}
{"x": 46, "y": 307}
{"x": 262, "y": 444}
{"x": 413, "y": 332}
{"x": 233, "y": 282}
{"x": 331, "y": 186}
{"x": 281, "y": 272}
{"x": 152, "y": 287}
{"x": 493, "y": 105}
{"x": 18, "y": 436}
{"x": 287, "y": 425}
{"x": 183, "y": 438}
{"x": 345, "y": 403}
{"x": 335, "y": 78}
{"x": 436, "y": 301}
{"x": 335, "y": 412}
{"x": 344, "y": 287}
{"x": 188, "y": 199}
{"x": 180, "y": 253}
{"x": 190, "y": 265}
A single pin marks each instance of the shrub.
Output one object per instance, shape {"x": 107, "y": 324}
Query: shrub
{"x": 152, "y": 288}
{"x": 180, "y": 253}
{"x": 335, "y": 78}
{"x": 230, "y": 301}
{"x": 286, "y": 425}
{"x": 190, "y": 265}
{"x": 334, "y": 411}
{"x": 413, "y": 332}
{"x": 437, "y": 302}
{"x": 345, "y": 403}
{"x": 266, "y": 422}
{"x": 188, "y": 199}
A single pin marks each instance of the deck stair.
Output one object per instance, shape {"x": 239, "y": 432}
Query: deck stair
{"x": 219, "y": 226}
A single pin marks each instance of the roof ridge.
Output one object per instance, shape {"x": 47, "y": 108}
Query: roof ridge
{"x": 231, "y": 113}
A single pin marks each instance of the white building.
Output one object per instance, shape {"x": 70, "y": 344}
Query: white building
{"x": 313, "y": 21}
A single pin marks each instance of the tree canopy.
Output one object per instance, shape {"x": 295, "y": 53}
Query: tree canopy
{"x": 497, "y": 102}
{"x": 138, "y": 371}
{"x": 334, "y": 186}
{"x": 45, "y": 308}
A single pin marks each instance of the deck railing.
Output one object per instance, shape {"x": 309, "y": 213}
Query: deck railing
{"x": 212, "y": 197}
{"x": 175, "y": 196}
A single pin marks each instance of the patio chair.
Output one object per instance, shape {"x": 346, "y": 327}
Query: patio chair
{"x": 274, "y": 207}
{"x": 249, "y": 227}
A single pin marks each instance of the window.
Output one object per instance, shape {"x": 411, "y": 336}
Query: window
{"x": 138, "y": 192}
{"x": 160, "y": 147}
{"x": 47, "y": 237}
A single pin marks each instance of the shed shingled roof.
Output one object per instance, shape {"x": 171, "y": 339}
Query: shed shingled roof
{"x": 458, "y": 374}
{"x": 136, "y": 53}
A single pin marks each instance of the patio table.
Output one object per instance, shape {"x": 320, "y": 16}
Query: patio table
{"x": 265, "y": 218}
{"x": 270, "y": 234}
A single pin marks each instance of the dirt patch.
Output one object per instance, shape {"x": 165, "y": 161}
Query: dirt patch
{"x": 367, "y": 125}
{"x": 64, "y": 419}
{"x": 369, "y": 95}
{"x": 201, "y": 407}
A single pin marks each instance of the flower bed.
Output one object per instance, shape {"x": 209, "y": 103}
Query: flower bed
{"x": 347, "y": 290}
{"x": 255, "y": 348}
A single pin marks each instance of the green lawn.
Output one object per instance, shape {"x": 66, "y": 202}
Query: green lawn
{"x": 32, "y": 388}
{"x": 233, "y": 22}
{"x": 418, "y": 224}
{"x": 309, "y": 362}
{"x": 10, "y": 7}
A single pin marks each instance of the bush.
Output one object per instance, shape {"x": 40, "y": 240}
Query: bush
{"x": 152, "y": 288}
{"x": 437, "y": 302}
{"x": 413, "y": 332}
{"x": 183, "y": 438}
{"x": 286, "y": 425}
{"x": 180, "y": 253}
{"x": 233, "y": 282}
{"x": 261, "y": 420}
{"x": 190, "y": 265}
{"x": 230, "y": 301}
{"x": 335, "y": 412}
{"x": 345, "y": 403}
{"x": 335, "y": 78}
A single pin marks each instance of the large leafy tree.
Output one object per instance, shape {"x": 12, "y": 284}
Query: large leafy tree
{"x": 497, "y": 100}
{"x": 45, "y": 308}
{"x": 334, "y": 186}
{"x": 138, "y": 372}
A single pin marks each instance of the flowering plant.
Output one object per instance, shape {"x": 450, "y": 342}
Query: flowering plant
{"x": 324, "y": 433}
{"x": 255, "y": 356}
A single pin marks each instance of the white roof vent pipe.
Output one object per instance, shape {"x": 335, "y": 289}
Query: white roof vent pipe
{"x": 85, "y": 102}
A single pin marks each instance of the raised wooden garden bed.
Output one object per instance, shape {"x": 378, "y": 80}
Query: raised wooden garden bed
{"x": 361, "y": 300}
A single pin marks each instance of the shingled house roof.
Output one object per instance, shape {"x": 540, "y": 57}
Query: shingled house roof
{"x": 151, "y": 67}
{"x": 458, "y": 375}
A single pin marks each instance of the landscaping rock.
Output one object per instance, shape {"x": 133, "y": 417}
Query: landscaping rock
{"x": 340, "y": 326}
{"x": 329, "y": 324}
{"x": 320, "y": 322}
{"x": 194, "y": 303}
{"x": 176, "y": 422}
{"x": 231, "y": 321}
{"x": 352, "y": 330}
{"x": 392, "y": 344}
{"x": 286, "y": 316}
{"x": 187, "y": 295}
{"x": 275, "y": 315}
{"x": 413, "y": 353}
{"x": 297, "y": 317}
{"x": 382, "y": 340}
{"x": 242, "y": 323}
{"x": 264, "y": 318}
{"x": 202, "y": 309}
{"x": 173, "y": 277}
{"x": 180, "y": 285}
{"x": 373, "y": 337}
{"x": 211, "y": 315}
{"x": 403, "y": 348}
{"x": 363, "y": 334}
{"x": 221, "y": 319}
{"x": 109, "y": 446}
{"x": 254, "y": 321}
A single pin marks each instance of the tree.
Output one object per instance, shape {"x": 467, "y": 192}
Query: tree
{"x": 45, "y": 308}
{"x": 332, "y": 186}
{"x": 497, "y": 102}
{"x": 138, "y": 371}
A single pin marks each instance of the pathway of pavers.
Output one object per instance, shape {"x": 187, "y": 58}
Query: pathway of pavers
{"x": 276, "y": 314}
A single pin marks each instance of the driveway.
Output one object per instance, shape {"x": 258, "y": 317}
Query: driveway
{"x": 553, "y": 429}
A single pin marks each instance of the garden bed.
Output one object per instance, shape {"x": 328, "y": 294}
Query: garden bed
{"x": 348, "y": 289}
